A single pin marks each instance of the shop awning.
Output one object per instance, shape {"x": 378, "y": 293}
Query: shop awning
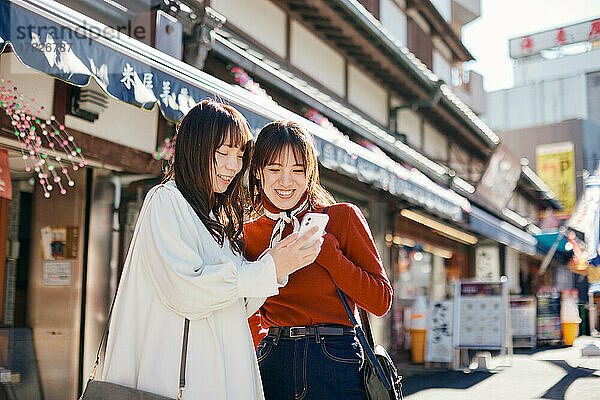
{"x": 486, "y": 224}
{"x": 546, "y": 240}
{"x": 59, "y": 41}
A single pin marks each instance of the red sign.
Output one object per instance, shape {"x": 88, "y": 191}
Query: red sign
{"x": 527, "y": 44}
{"x": 5, "y": 183}
{"x": 595, "y": 30}
{"x": 480, "y": 289}
{"x": 561, "y": 36}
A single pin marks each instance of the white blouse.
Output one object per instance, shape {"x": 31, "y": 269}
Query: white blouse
{"x": 176, "y": 269}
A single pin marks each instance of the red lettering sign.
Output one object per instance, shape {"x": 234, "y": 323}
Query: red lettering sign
{"x": 527, "y": 43}
{"x": 595, "y": 30}
{"x": 561, "y": 36}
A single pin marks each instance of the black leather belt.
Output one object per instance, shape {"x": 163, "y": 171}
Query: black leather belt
{"x": 313, "y": 330}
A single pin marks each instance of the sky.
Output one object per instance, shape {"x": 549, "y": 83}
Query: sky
{"x": 487, "y": 37}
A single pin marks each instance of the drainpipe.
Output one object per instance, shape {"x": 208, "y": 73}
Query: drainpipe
{"x": 433, "y": 99}
{"x": 201, "y": 43}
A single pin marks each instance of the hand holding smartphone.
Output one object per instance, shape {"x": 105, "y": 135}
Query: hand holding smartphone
{"x": 313, "y": 219}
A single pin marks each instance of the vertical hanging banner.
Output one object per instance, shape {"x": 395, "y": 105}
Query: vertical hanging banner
{"x": 5, "y": 182}
{"x": 500, "y": 178}
{"x": 555, "y": 164}
{"x": 487, "y": 262}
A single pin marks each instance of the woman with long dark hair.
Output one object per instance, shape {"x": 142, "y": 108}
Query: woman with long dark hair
{"x": 308, "y": 329}
{"x": 185, "y": 263}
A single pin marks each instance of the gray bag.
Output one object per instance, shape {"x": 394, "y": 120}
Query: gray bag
{"x": 100, "y": 390}
{"x": 106, "y": 390}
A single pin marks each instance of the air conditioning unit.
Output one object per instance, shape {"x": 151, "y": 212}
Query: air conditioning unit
{"x": 87, "y": 103}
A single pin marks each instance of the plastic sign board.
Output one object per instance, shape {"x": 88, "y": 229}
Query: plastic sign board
{"x": 500, "y": 178}
{"x": 481, "y": 315}
{"x": 439, "y": 332}
{"x": 529, "y": 45}
{"x": 555, "y": 164}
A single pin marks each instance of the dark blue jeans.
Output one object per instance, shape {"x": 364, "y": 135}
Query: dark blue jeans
{"x": 311, "y": 368}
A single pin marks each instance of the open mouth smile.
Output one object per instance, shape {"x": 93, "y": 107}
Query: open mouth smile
{"x": 224, "y": 178}
{"x": 284, "y": 194}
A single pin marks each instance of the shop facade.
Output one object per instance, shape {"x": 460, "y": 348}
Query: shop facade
{"x": 94, "y": 89}
{"x": 120, "y": 99}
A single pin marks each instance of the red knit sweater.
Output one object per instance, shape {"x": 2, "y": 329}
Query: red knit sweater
{"x": 348, "y": 257}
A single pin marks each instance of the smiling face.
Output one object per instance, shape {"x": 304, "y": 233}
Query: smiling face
{"x": 284, "y": 179}
{"x": 228, "y": 162}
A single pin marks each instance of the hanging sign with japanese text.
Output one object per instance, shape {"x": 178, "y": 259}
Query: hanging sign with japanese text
{"x": 555, "y": 164}
{"x": 439, "y": 332}
{"x": 529, "y": 45}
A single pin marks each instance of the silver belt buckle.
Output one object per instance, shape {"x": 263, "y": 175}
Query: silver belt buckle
{"x": 296, "y": 335}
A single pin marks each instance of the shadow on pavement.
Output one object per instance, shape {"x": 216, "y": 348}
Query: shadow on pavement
{"x": 445, "y": 380}
{"x": 557, "y": 392}
{"x": 539, "y": 349}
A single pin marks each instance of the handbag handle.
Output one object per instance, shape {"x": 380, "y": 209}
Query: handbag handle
{"x": 366, "y": 343}
{"x": 186, "y": 325}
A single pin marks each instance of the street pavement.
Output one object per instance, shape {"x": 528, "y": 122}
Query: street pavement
{"x": 545, "y": 373}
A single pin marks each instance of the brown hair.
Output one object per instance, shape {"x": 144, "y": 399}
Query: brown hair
{"x": 201, "y": 132}
{"x": 272, "y": 140}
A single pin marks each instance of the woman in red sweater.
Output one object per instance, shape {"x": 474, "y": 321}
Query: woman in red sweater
{"x": 310, "y": 350}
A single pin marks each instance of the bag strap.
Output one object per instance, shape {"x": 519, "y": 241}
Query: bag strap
{"x": 364, "y": 320}
{"x": 186, "y": 324}
{"x": 363, "y": 341}
{"x": 366, "y": 342}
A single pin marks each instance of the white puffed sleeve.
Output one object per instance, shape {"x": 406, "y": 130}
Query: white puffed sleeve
{"x": 172, "y": 246}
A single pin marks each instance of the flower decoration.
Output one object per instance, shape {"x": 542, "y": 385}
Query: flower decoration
{"x": 166, "y": 151}
{"x": 46, "y": 147}
{"x": 319, "y": 119}
{"x": 244, "y": 80}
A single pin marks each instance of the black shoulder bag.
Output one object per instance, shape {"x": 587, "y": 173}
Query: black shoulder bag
{"x": 381, "y": 378}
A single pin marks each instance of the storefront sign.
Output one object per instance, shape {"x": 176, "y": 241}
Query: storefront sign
{"x": 548, "y": 315}
{"x": 586, "y": 218}
{"x": 555, "y": 164}
{"x": 487, "y": 262}
{"x": 500, "y": 178}
{"x": 5, "y": 182}
{"x": 522, "y": 316}
{"x": 74, "y": 48}
{"x": 439, "y": 332}
{"x": 533, "y": 44}
{"x": 480, "y": 314}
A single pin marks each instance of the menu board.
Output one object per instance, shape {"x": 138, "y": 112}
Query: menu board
{"x": 522, "y": 316}
{"x": 548, "y": 315}
{"x": 439, "y": 332}
{"x": 481, "y": 315}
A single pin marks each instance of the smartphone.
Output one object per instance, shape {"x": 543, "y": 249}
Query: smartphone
{"x": 313, "y": 219}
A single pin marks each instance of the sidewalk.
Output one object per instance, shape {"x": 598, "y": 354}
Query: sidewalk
{"x": 546, "y": 373}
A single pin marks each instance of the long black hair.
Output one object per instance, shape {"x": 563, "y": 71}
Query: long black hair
{"x": 202, "y": 131}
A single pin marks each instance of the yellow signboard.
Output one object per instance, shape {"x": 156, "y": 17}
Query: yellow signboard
{"x": 555, "y": 164}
